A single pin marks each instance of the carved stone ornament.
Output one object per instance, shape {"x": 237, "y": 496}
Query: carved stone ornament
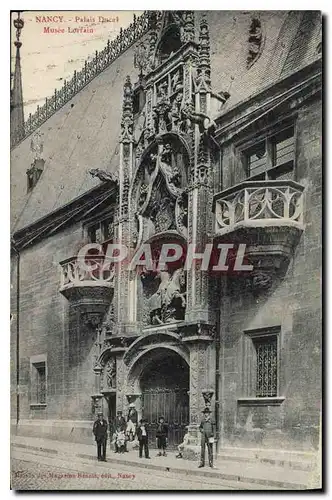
{"x": 207, "y": 396}
{"x": 110, "y": 373}
{"x": 168, "y": 303}
{"x": 102, "y": 175}
{"x": 157, "y": 189}
{"x": 255, "y": 41}
{"x": 141, "y": 60}
{"x": 92, "y": 319}
{"x": 260, "y": 281}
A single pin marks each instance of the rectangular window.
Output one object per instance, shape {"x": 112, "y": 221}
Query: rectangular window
{"x": 266, "y": 366}
{"x": 257, "y": 159}
{"x": 272, "y": 157}
{"x": 283, "y": 147}
{"x": 261, "y": 365}
{"x": 41, "y": 383}
{"x": 100, "y": 231}
{"x": 38, "y": 380}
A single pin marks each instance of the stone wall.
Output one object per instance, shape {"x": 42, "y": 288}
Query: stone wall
{"x": 48, "y": 326}
{"x": 295, "y": 305}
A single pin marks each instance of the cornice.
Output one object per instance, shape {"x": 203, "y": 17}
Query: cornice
{"x": 302, "y": 83}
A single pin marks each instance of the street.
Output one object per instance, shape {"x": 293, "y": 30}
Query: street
{"x": 39, "y": 471}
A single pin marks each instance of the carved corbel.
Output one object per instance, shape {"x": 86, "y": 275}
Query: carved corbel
{"x": 207, "y": 396}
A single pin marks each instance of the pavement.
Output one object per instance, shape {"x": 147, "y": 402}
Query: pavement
{"x": 173, "y": 473}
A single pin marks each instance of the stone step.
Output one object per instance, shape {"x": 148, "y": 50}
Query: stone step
{"x": 243, "y": 473}
{"x": 289, "y": 459}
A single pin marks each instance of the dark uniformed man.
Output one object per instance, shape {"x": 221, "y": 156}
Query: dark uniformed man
{"x": 207, "y": 428}
{"x": 100, "y": 433}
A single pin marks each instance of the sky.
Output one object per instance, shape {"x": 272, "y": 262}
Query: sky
{"x": 47, "y": 59}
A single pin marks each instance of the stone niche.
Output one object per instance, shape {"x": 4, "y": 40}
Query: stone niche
{"x": 160, "y": 202}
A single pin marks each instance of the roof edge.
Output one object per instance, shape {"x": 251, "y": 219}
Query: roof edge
{"x": 75, "y": 208}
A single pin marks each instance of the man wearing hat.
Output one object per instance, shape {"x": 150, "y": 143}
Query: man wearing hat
{"x": 143, "y": 438}
{"x": 131, "y": 422}
{"x": 100, "y": 433}
{"x": 207, "y": 428}
{"x": 119, "y": 425}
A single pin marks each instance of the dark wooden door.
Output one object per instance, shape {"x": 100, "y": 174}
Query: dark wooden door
{"x": 173, "y": 405}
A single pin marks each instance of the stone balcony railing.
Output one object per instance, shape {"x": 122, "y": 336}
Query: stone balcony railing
{"x": 266, "y": 216}
{"x": 259, "y": 204}
{"x": 81, "y": 285}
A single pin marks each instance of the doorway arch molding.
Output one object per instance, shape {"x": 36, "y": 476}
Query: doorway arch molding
{"x": 154, "y": 347}
{"x": 167, "y": 339}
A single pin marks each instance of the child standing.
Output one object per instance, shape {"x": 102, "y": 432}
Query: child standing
{"x": 162, "y": 434}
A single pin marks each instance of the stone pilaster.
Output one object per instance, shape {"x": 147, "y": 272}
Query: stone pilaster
{"x": 200, "y": 187}
{"x": 124, "y": 220}
{"x": 121, "y": 400}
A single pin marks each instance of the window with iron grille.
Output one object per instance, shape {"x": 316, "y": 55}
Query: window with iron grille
{"x": 38, "y": 383}
{"x": 261, "y": 363}
{"x": 41, "y": 384}
{"x": 266, "y": 366}
{"x": 271, "y": 157}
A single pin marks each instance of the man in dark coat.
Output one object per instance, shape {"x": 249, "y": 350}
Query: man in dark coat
{"x": 207, "y": 428}
{"x": 143, "y": 438}
{"x": 100, "y": 433}
{"x": 161, "y": 435}
{"x": 119, "y": 425}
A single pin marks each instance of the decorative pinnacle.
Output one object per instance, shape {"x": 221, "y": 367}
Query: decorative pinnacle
{"x": 18, "y": 24}
{"x": 204, "y": 68}
{"x": 127, "y": 122}
{"x": 127, "y": 96}
{"x": 140, "y": 58}
{"x": 189, "y": 25}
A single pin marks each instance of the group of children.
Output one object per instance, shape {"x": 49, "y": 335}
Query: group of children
{"x": 120, "y": 439}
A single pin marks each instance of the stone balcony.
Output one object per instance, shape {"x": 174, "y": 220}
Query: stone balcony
{"x": 82, "y": 286}
{"x": 267, "y": 216}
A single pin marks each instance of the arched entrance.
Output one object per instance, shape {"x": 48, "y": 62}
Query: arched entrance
{"x": 164, "y": 384}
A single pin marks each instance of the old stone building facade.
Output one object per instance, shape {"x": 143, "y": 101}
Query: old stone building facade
{"x": 191, "y": 129}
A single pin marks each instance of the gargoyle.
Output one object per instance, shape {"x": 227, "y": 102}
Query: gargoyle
{"x": 102, "y": 175}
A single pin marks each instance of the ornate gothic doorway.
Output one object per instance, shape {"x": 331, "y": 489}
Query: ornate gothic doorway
{"x": 165, "y": 385}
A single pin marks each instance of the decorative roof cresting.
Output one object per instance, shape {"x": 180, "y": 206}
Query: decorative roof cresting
{"x": 90, "y": 70}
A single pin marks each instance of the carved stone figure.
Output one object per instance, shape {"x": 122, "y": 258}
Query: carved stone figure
{"x": 162, "y": 213}
{"x": 171, "y": 172}
{"x": 255, "y": 41}
{"x": 111, "y": 373}
{"x": 176, "y": 111}
{"x": 168, "y": 303}
{"x": 142, "y": 195}
{"x": 102, "y": 175}
{"x": 176, "y": 82}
